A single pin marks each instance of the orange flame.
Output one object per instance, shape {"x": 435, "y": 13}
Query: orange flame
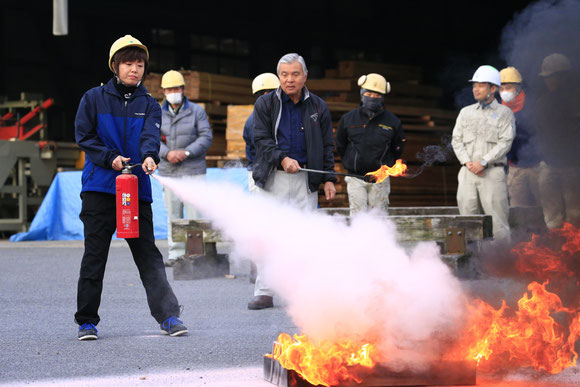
{"x": 328, "y": 363}
{"x": 550, "y": 255}
{"x": 541, "y": 333}
{"x": 529, "y": 338}
{"x": 385, "y": 171}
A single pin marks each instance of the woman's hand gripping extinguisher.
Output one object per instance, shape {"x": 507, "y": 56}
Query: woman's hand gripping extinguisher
{"x": 127, "y": 188}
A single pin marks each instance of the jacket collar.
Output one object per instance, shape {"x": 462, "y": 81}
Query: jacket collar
{"x": 493, "y": 105}
{"x": 183, "y": 108}
{"x": 304, "y": 96}
{"x": 111, "y": 89}
{"x": 363, "y": 112}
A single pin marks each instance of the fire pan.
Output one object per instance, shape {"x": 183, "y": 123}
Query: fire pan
{"x": 443, "y": 373}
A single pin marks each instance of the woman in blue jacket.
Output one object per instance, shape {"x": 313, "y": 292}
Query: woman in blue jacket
{"x": 115, "y": 123}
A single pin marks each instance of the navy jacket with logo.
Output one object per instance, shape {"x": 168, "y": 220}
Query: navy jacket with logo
{"x": 108, "y": 125}
{"x": 317, "y": 130}
{"x": 365, "y": 142}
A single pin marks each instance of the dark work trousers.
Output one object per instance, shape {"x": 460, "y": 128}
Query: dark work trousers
{"x": 99, "y": 218}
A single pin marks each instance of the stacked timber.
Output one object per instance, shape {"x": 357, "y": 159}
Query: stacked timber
{"x": 213, "y": 92}
{"x": 237, "y": 116}
{"x": 201, "y": 86}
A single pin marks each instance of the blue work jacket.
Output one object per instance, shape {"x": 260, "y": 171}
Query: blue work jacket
{"x": 108, "y": 125}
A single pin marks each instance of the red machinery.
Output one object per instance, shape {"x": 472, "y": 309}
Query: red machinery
{"x": 127, "y": 189}
{"x": 18, "y": 131}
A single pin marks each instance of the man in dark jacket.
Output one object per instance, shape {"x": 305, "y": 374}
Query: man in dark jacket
{"x": 262, "y": 84}
{"x": 366, "y": 138}
{"x": 292, "y": 130}
{"x": 115, "y": 123}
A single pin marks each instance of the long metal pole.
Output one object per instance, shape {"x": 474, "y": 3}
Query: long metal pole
{"x": 333, "y": 173}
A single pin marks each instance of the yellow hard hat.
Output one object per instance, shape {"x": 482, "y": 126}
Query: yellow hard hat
{"x": 510, "y": 75}
{"x": 125, "y": 41}
{"x": 375, "y": 82}
{"x": 265, "y": 81}
{"x": 172, "y": 78}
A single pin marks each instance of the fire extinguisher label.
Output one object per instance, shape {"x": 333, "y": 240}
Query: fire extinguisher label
{"x": 126, "y": 199}
{"x": 126, "y": 217}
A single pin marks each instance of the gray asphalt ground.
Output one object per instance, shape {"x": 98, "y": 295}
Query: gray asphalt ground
{"x": 38, "y": 334}
{"x": 226, "y": 341}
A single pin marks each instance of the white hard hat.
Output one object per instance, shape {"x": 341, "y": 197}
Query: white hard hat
{"x": 265, "y": 81}
{"x": 555, "y": 63}
{"x": 486, "y": 73}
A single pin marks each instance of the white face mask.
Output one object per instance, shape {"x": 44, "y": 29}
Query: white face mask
{"x": 507, "y": 96}
{"x": 174, "y": 98}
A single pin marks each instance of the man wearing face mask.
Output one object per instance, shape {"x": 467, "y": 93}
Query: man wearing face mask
{"x": 482, "y": 136}
{"x": 366, "y": 138}
{"x": 186, "y": 137}
{"x": 523, "y": 157}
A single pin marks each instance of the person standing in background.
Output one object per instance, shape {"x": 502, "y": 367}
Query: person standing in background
{"x": 523, "y": 157}
{"x": 482, "y": 137}
{"x": 366, "y": 138}
{"x": 262, "y": 84}
{"x": 186, "y": 137}
{"x": 557, "y": 113}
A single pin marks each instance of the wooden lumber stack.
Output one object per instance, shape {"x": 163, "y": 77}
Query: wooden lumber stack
{"x": 213, "y": 92}
{"x": 237, "y": 116}
{"x": 201, "y": 86}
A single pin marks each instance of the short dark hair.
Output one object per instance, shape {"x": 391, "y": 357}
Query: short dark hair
{"x": 130, "y": 54}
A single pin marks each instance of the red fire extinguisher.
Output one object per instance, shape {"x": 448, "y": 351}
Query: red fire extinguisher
{"x": 127, "y": 188}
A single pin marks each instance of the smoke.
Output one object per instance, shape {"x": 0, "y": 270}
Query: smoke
{"x": 431, "y": 154}
{"x": 541, "y": 29}
{"x": 338, "y": 281}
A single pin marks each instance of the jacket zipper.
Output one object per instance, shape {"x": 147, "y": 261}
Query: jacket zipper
{"x": 125, "y": 129}
{"x": 384, "y": 153}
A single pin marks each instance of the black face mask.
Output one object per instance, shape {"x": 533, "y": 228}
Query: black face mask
{"x": 372, "y": 104}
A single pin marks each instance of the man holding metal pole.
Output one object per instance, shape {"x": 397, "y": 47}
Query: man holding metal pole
{"x": 366, "y": 138}
{"x": 292, "y": 130}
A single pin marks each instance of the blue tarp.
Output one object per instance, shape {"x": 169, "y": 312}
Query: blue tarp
{"x": 58, "y": 215}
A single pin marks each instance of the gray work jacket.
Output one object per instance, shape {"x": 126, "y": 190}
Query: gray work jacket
{"x": 483, "y": 133}
{"x": 189, "y": 130}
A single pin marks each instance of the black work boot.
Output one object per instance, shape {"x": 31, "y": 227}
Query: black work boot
{"x": 261, "y": 302}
